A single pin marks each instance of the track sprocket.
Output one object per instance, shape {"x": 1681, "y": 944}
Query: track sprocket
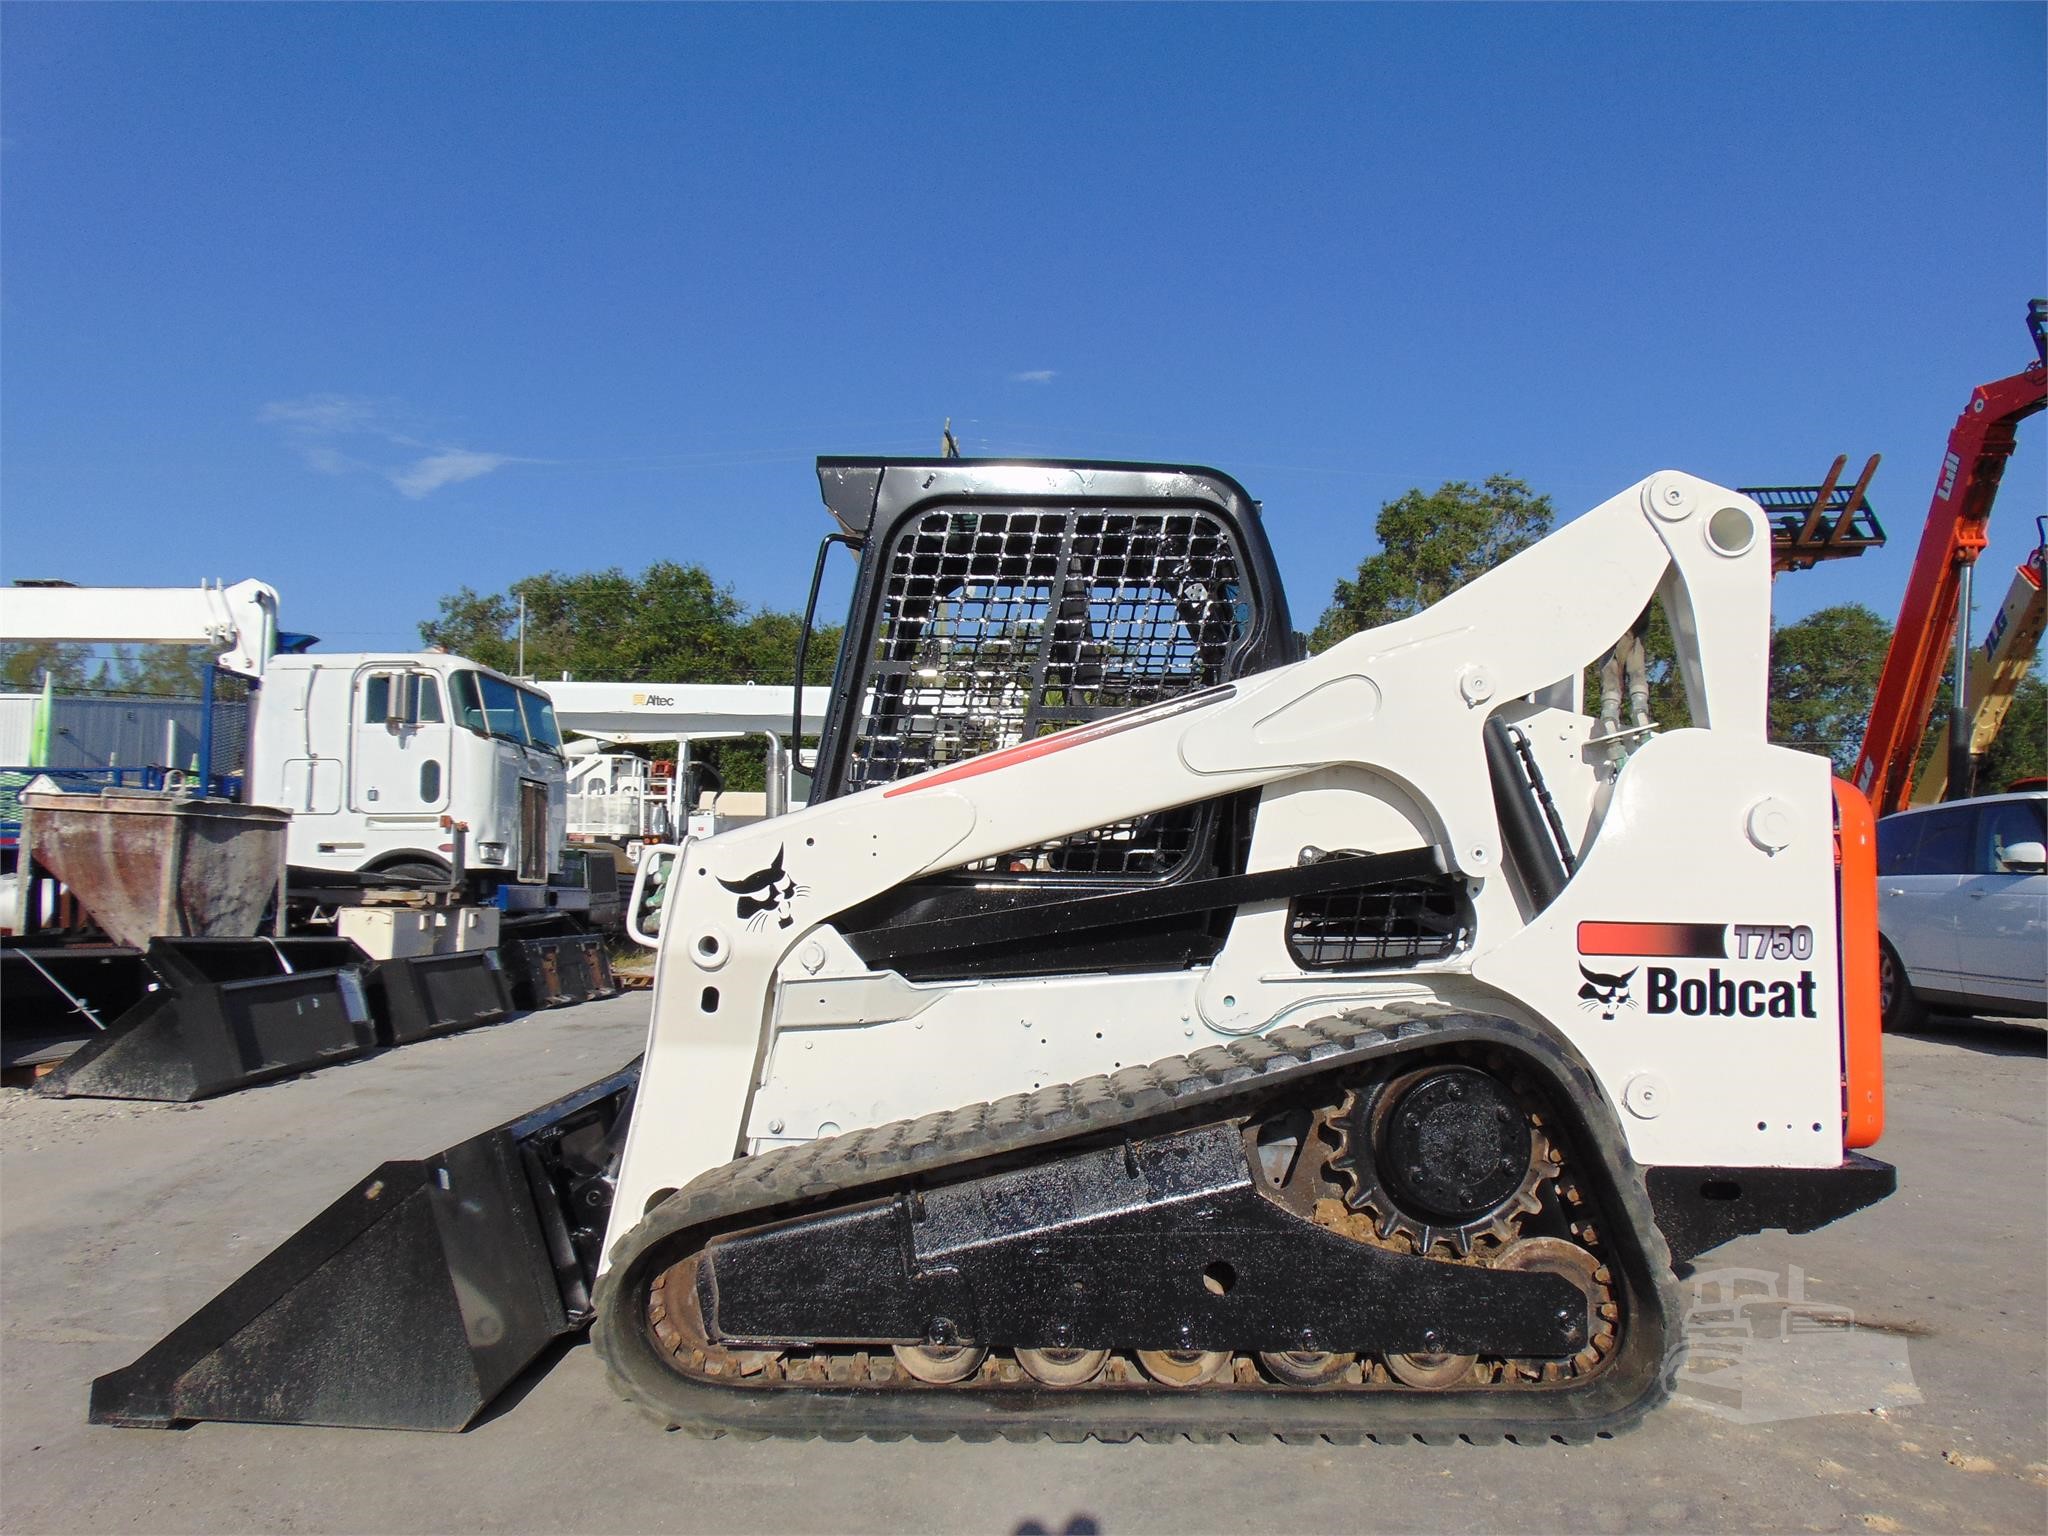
{"x": 1443, "y": 1156}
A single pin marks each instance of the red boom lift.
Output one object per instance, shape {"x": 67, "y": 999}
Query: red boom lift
{"x": 1935, "y": 610}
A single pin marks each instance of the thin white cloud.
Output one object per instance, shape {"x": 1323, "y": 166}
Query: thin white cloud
{"x": 329, "y": 461}
{"x": 1035, "y": 376}
{"x": 339, "y": 434}
{"x": 323, "y": 414}
{"x": 451, "y": 467}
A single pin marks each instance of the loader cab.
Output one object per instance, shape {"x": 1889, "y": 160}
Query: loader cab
{"x": 995, "y": 602}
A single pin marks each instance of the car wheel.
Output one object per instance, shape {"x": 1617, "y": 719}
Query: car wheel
{"x": 1902, "y": 1010}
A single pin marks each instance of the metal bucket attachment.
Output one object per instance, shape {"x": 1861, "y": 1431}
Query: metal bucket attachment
{"x": 146, "y": 863}
{"x": 421, "y": 995}
{"x": 226, "y": 1014}
{"x": 58, "y": 998}
{"x": 411, "y": 1301}
{"x": 552, "y": 965}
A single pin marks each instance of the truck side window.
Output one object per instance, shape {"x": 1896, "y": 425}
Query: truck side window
{"x": 469, "y": 709}
{"x": 377, "y": 698}
{"x": 429, "y": 700}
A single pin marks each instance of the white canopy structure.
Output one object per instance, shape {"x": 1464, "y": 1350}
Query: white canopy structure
{"x": 621, "y": 798}
{"x": 634, "y": 713}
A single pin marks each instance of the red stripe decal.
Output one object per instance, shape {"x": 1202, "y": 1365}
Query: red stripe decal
{"x": 1682, "y": 941}
{"x": 1058, "y": 741}
{"x": 988, "y": 762}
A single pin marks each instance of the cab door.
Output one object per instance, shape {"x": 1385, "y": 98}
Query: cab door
{"x": 401, "y": 740}
{"x": 2002, "y": 923}
{"x": 1922, "y": 860}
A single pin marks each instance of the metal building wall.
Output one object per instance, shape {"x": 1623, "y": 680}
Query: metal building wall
{"x": 131, "y": 733}
{"x": 17, "y": 722}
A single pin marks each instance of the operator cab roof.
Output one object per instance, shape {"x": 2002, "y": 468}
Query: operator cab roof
{"x": 858, "y": 491}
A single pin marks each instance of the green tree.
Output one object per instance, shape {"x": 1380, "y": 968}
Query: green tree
{"x": 164, "y": 671}
{"x": 1432, "y": 543}
{"x": 23, "y": 664}
{"x": 1824, "y": 673}
{"x": 671, "y": 623}
{"x": 161, "y": 671}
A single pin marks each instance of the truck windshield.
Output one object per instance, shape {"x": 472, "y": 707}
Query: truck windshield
{"x": 493, "y": 707}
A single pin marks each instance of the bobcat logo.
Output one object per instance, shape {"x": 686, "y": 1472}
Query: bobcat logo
{"x": 1605, "y": 993}
{"x": 767, "y": 893}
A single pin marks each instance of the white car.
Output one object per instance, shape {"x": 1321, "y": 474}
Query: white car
{"x": 1962, "y": 908}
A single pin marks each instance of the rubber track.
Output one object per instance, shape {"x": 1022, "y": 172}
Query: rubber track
{"x": 789, "y": 1180}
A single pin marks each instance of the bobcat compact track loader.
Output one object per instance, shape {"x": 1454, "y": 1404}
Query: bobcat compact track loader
{"x": 1347, "y": 1046}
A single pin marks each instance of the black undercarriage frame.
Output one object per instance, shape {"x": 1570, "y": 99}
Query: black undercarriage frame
{"x": 870, "y": 1182}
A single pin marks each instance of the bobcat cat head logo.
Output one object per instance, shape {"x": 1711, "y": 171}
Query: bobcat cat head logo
{"x": 766, "y": 893}
{"x": 1605, "y": 993}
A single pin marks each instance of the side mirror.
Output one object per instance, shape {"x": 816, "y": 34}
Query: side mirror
{"x": 403, "y": 707}
{"x": 2024, "y": 859}
{"x": 651, "y": 884}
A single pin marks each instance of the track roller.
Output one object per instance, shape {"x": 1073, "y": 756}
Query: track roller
{"x": 940, "y": 1364}
{"x": 1063, "y": 1367}
{"x": 1184, "y": 1367}
{"x": 1305, "y": 1367}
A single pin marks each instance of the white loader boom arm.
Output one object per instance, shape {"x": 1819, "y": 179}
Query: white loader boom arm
{"x": 239, "y": 621}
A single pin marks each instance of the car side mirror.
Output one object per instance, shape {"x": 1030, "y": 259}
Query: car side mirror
{"x": 2025, "y": 859}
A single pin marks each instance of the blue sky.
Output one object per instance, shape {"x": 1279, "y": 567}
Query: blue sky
{"x": 373, "y": 302}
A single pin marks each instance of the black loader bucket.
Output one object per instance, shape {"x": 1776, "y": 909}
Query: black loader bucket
{"x": 416, "y": 996}
{"x": 411, "y": 1301}
{"x": 225, "y": 1014}
{"x": 56, "y": 998}
{"x": 554, "y": 962}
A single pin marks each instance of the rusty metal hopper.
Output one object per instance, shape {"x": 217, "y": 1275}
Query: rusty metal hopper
{"x": 149, "y": 864}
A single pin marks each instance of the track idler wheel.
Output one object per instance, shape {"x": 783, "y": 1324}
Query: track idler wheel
{"x": 940, "y": 1364}
{"x": 1184, "y": 1367}
{"x": 1063, "y": 1367}
{"x": 1556, "y": 1256}
{"x": 1305, "y": 1367}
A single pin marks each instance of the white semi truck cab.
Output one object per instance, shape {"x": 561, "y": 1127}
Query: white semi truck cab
{"x": 381, "y": 756}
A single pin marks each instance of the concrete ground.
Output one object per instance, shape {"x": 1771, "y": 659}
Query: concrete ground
{"x": 1930, "y": 1413}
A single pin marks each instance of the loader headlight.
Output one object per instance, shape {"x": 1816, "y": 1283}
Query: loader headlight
{"x": 491, "y": 853}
